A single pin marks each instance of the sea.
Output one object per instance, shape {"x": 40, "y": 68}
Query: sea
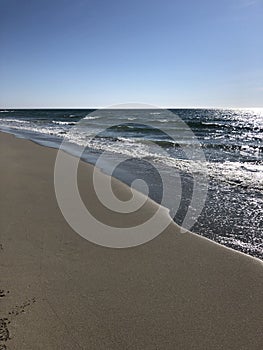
{"x": 176, "y": 152}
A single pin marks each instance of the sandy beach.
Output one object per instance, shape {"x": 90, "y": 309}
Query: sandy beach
{"x": 59, "y": 291}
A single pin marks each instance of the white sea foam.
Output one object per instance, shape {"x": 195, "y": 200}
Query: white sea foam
{"x": 12, "y": 120}
{"x": 63, "y": 123}
{"x": 162, "y": 120}
{"x": 91, "y": 117}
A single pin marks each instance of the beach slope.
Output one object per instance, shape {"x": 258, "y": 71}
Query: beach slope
{"x": 59, "y": 291}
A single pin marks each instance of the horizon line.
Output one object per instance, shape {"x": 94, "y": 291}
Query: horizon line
{"x": 133, "y": 107}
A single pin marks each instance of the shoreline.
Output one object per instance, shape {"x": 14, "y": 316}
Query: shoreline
{"x": 123, "y": 179}
{"x": 61, "y": 291}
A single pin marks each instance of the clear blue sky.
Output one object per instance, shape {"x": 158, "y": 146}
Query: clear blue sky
{"x": 85, "y": 53}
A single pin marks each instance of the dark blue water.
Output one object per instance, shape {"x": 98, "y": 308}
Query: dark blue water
{"x": 231, "y": 141}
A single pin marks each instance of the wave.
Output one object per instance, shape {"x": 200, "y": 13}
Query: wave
{"x": 63, "y": 123}
{"x": 13, "y": 120}
{"x": 233, "y": 147}
{"x": 91, "y": 117}
{"x": 27, "y": 129}
{"x": 242, "y": 174}
{"x": 135, "y": 128}
{"x": 238, "y": 244}
{"x": 223, "y": 125}
{"x": 247, "y": 174}
{"x": 163, "y": 120}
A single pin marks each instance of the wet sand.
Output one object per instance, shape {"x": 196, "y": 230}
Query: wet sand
{"x": 59, "y": 291}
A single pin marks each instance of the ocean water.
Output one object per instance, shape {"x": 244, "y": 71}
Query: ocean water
{"x": 152, "y": 141}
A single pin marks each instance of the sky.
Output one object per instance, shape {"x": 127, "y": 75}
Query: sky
{"x": 96, "y": 53}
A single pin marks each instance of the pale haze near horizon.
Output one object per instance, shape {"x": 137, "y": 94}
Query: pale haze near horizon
{"x": 74, "y": 54}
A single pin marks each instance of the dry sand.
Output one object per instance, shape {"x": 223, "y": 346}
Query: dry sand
{"x": 59, "y": 291}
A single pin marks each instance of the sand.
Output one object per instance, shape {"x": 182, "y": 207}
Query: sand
{"x": 59, "y": 291}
